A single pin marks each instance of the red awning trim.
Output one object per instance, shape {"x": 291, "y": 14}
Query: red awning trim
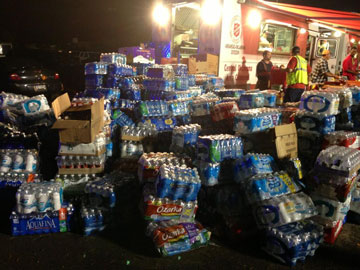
{"x": 349, "y": 21}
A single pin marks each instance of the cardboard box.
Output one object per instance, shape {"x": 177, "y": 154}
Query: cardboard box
{"x": 201, "y": 67}
{"x": 191, "y": 63}
{"x": 85, "y": 122}
{"x": 211, "y": 60}
{"x": 81, "y": 171}
{"x": 286, "y": 141}
{"x": 280, "y": 141}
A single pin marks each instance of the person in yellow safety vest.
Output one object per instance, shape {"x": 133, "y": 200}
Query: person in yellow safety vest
{"x": 297, "y": 77}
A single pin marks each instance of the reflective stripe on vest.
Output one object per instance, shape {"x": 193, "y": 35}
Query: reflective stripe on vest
{"x": 300, "y": 74}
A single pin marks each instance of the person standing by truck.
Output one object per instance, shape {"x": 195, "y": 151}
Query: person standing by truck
{"x": 350, "y": 64}
{"x": 321, "y": 72}
{"x": 263, "y": 71}
{"x": 297, "y": 77}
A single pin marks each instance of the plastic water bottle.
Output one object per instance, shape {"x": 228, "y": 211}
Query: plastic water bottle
{"x": 28, "y": 201}
{"x": 42, "y": 200}
{"x": 56, "y": 200}
{"x": 6, "y": 163}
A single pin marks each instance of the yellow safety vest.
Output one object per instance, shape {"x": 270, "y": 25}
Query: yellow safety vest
{"x": 300, "y": 74}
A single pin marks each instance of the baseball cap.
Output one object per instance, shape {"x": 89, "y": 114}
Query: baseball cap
{"x": 325, "y": 52}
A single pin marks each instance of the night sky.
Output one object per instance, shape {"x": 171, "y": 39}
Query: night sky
{"x": 108, "y": 23}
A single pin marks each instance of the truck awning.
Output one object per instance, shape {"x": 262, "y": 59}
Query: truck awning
{"x": 346, "y": 21}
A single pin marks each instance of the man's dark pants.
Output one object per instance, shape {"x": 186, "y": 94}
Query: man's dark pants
{"x": 293, "y": 94}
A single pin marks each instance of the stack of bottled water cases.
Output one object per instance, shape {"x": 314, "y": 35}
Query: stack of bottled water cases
{"x": 86, "y": 158}
{"x": 121, "y": 119}
{"x": 95, "y": 74}
{"x": 185, "y": 137}
{"x": 69, "y": 164}
{"x": 171, "y": 237}
{"x": 253, "y": 120}
{"x": 189, "y": 94}
{"x": 150, "y": 163}
{"x": 295, "y": 241}
{"x": 224, "y": 110}
{"x": 25, "y": 112}
{"x": 318, "y": 110}
{"x": 200, "y": 79}
{"x": 342, "y": 138}
{"x": 276, "y": 201}
{"x": 7, "y": 99}
{"x": 270, "y": 98}
{"x": 179, "y": 107}
{"x": 90, "y": 96}
{"x": 233, "y": 93}
{"x": 344, "y": 118}
{"x": 213, "y": 83}
{"x": 175, "y": 201}
{"x": 132, "y": 139}
{"x": 201, "y": 105}
{"x": 250, "y": 100}
{"x": 182, "y": 82}
{"x": 68, "y": 180}
{"x": 214, "y": 149}
{"x": 105, "y": 74}
{"x": 130, "y": 87}
{"x": 113, "y": 58}
{"x": 160, "y": 77}
{"x": 17, "y": 165}
{"x": 40, "y": 209}
{"x": 102, "y": 198}
{"x": 192, "y": 80}
{"x": 105, "y": 202}
{"x": 141, "y": 68}
{"x": 333, "y": 180}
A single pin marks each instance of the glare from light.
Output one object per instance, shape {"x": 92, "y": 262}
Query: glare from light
{"x": 254, "y": 19}
{"x": 337, "y": 34}
{"x": 352, "y": 40}
{"x": 302, "y": 31}
{"x": 211, "y": 12}
{"x": 161, "y": 15}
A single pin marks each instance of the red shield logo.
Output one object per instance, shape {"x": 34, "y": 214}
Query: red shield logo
{"x": 236, "y": 30}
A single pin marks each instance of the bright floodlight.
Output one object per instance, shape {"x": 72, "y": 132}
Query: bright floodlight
{"x": 161, "y": 15}
{"x": 337, "y": 34}
{"x": 302, "y": 31}
{"x": 254, "y": 19}
{"x": 352, "y": 40}
{"x": 211, "y": 11}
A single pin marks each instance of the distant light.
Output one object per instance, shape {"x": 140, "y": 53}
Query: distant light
{"x": 70, "y": 51}
{"x": 254, "y": 19}
{"x": 352, "y": 40}
{"x": 161, "y": 15}
{"x": 211, "y": 12}
{"x": 337, "y": 34}
{"x": 302, "y": 31}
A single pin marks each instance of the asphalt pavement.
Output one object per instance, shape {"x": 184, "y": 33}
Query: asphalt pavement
{"x": 128, "y": 248}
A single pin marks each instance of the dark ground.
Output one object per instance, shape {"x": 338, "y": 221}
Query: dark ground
{"x": 132, "y": 250}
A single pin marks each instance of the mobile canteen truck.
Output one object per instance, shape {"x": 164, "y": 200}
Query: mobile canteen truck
{"x": 238, "y": 31}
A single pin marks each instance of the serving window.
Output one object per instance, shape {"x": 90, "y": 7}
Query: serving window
{"x": 326, "y": 44}
{"x": 277, "y": 38}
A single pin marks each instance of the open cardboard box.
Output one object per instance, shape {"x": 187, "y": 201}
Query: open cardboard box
{"x": 75, "y": 130}
{"x": 280, "y": 141}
